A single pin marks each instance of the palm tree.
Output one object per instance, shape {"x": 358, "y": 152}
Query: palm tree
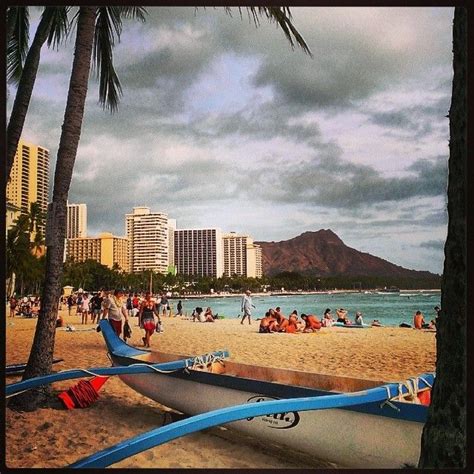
{"x": 95, "y": 33}
{"x": 53, "y": 27}
{"x": 444, "y": 434}
{"x": 95, "y": 37}
{"x": 25, "y": 244}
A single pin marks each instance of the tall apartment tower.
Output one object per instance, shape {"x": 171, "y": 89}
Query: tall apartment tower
{"x": 106, "y": 249}
{"x": 148, "y": 235}
{"x": 199, "y": 252}
{"x": 171, "y": 230}
{"x": 241, "y": 256}
{"x": 29, "y": 178}
{"x": 76, "y": 221}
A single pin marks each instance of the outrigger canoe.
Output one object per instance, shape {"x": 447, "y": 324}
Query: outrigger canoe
{"x": 347, "y": 421}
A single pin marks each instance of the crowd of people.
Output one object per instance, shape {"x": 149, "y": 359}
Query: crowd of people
{"x": 117, "y": 307}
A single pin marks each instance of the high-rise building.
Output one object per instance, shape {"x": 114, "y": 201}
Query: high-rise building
{"x": 76, "y": 225}
{"x": 198, "y": 252}
{"x": 171, "y": 230}
{"x": 106, "y": 249}
{"x": 241, "y": 256}
{"x": 148, "y": 234}
{"x": 29, "y": 178}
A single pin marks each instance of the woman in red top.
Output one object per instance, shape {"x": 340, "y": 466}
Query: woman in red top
{"x": 147, "y": 318}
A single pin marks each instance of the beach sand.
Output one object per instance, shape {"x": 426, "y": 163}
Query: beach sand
{"x": 55, "y": 437}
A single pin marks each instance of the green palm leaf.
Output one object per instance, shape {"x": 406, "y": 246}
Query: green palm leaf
{"x": 18, "y": 26}
{"x": 60, "y": 25}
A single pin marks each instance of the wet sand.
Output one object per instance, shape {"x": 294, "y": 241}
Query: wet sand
{"x": 55, "y": 437}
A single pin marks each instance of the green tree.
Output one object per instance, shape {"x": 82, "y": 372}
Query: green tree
{"x": 24, "y": 244}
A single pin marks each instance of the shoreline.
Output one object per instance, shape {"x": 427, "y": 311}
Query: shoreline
{"x": 298, "y": 293}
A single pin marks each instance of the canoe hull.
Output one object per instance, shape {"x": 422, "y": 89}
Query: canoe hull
{"x": 344, "y": 437}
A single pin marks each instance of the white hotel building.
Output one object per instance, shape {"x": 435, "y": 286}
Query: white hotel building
{"x": 199, "y": 252}
{"x": 148, "y": 235}
{"x": 76, "y": 225}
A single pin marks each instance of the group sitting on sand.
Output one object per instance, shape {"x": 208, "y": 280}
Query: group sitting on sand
{"x": 204, "y": 316}
{"x": 275, "y": 321}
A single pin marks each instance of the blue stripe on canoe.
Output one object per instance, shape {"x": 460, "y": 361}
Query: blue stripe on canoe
{"x": 405, "y": 411}
{"x": 140, "y": 368}
{"x": 222, "y": 416}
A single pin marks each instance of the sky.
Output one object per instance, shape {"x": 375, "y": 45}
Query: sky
{"x": 224, "y": 124}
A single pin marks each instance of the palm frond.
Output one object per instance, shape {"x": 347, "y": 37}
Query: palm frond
{"x": 281, "y": 16}
{"x": 18, "y": 27}
{"x": 60, "y": 25}
{"x": 138, "y": 13}
{"x": 108, "y": 24}
{"x": 109, "y": 27}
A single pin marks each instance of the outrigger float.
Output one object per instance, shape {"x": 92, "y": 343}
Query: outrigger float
{"x": 346, "y": 421}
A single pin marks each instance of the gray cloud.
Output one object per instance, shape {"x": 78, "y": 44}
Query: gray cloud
{"x": 433, "y": 245}
{"x": 413, "y": 122}
{"x": 330, "y": 181}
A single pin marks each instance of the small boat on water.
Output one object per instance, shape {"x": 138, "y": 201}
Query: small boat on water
{"x": 382, "y": 433}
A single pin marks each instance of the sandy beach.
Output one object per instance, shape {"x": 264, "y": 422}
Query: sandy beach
{"x": 55, "y": 437}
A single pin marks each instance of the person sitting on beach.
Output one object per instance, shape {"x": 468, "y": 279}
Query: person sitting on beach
{"x": 312, "y": 323}
{"x": 376, "y": 323}
{"x": 358, "y": 319}
{"x": 198, "y": 314}
{"x": 418, "y": 320}
{"x": 293, "y": 325}
{"x": 342, "y": 316}
{"x": 282, "y": 322}
{"x": 265, "y": 323}
{"x": 147, "y": 318}
{"x": 208, "y": 316}
{"x": 328, "y": 320}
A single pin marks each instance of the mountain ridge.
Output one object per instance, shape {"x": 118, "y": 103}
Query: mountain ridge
{"x": 324, "y": 253}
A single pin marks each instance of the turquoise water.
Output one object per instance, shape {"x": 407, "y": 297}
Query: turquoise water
{"x": 390, "y": 309}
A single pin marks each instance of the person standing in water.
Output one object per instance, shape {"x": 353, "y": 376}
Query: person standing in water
{"x": 246, "y": 307}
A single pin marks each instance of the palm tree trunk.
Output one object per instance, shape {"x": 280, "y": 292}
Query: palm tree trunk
{"x": 444, "y": 435}
{"x": 24, "y": 91}
{"x": 41, "y": 355}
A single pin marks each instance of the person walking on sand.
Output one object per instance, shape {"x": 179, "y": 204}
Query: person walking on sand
{"x": 114, "y": 310}
{"x": 13, "y": 305}
{"x": 246, "y": 307}
{"x": 146, "y": 316}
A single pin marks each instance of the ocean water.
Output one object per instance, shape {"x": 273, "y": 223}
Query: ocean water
{"x": 390, "y": 309}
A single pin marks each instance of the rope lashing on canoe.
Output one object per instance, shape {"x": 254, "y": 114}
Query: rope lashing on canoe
{"x": 412, "y": 388}
{"x": 203, "y": 361}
